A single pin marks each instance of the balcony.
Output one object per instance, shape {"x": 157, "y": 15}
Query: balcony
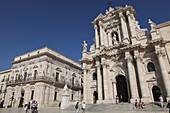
{"x": 49, "y": 80}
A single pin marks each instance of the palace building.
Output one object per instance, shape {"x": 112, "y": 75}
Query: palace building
{"x": 40, "y": 75}
{"x": 126, "y": 60}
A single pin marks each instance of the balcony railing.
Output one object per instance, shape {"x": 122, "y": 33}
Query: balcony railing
{"x": 44, "y": 79}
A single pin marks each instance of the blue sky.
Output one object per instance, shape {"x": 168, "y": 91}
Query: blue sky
{"x": 27, "y": 25}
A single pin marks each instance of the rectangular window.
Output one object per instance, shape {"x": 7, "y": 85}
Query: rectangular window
{"x": 55, "y": 96}
{"x": 57, "y": 76}
{"x": 32, "y": 94}
{"x": 72, "y": 96}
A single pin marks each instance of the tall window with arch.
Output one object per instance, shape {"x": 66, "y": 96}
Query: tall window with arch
{"x": 150, "y": 67}
{"x": 57, "y": 77}
{"x": 35, "y": 74}
{"x": 94, "y": 76}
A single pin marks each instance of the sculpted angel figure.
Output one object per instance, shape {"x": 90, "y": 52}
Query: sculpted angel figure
{"x": 84, "y": 46}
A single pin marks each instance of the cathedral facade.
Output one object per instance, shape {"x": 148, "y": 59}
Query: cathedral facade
{"x": 40, "y": 75}
{"x": 126, "y": 60}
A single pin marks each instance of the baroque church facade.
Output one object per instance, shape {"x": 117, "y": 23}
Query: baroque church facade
{"x": 126, "y": 60}
{"x": 41, "y": 75}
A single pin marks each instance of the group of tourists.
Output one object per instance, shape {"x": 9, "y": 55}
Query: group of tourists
{"x": 83, "y": 107}
{"x": 31, "y": 106}
{"x": 119, "y": 100}
{"x": 139, "y": 104}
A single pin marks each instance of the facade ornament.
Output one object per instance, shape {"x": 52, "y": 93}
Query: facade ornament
{"x": 137, "y": 25}
{"x": 65, "y": 89}
{"x": 84, "y": 46}
{"x": 152, "y": 25}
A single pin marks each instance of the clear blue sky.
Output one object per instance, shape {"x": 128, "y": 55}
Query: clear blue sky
{"x": 27, "y": 25}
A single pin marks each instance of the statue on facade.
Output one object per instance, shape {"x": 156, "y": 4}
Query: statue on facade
{"x": 84, "y": 46}
{"x": 114, "y": 39}
{"x": 152, "y": 25}
{"x": 65, "y": 89}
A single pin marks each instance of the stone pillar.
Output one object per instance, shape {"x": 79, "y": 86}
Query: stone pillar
{"x": 110, "y": 38}
{"x": 96, "y": 36}
{"x": 105, "y": 38}
{"x": 132, "y": 78}
{"x": 99, "y": 82}
{"x": 101, "y": 34}
{"x": 119, "y": 34}
{"x": 115, "y": 91}
{"x": 161, "y": 54}
{"x": 124, "y": 28}
{"x": 85, "y": 84}
{"x": 131, "y": 23}
{"x": 105, "y": 81}
{"x": 143, "y": 85}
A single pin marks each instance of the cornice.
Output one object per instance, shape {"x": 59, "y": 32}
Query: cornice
{"x": 163, "y": 24}
{"x": 6, "y": 71}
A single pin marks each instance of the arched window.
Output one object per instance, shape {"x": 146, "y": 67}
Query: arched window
{"x": 94, "y": 76}
{"x": 150, "y": 67}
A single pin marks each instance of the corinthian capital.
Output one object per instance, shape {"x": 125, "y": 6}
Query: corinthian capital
{"x": 95, "y": 26}
{"x": 137, "y": 56}
{"x": 160, "y": 51}
{"x": 128, "y": 57}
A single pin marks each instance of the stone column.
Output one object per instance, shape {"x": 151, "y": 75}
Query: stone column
{"x": 119, "y": 34}
{"x": 142, "y": 81}
{"x": 99, "y": 82}
{"x": 85, "y": 84}
{"x": 105, "y": 38}
{"x": 105, "y": 81}
{"x": 132, "y": 78}
{"x": 96, "y": 36}
{"x": 101, "y": 34}
{"x": 110, "y": 38}
{"x": 161, "y": 54}
{"x": 124, "y": 28}
{"x": 131, "y": 23}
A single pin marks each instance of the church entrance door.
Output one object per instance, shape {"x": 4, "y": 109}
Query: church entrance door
{"x": 156, "y": 93}
{"x": 95, "y": 97}
{"x": 121, "y": 86}
{"x": 21, "y": 98}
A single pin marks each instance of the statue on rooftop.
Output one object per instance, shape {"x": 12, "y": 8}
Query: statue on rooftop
{"x": 152, "y": 25}
{"x": 84, "y": 46}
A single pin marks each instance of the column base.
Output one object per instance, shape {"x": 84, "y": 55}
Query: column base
{"x": 132, "y": 100}
{"x": 146, "y": 99}
{"x": 168, "y": 98}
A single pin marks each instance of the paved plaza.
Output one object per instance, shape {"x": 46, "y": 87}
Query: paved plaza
{"x": 108, "y": 108}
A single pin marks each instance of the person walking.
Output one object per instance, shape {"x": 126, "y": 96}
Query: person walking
{"x": 161, "y": 101}
{"x": 77, "y": 107}
{"x": 28, "y": 107}
{"x": 117, "y": 99}
{"x": 33, "y": 106}
{"x": 83, "y": 107}
{"x": 168, "y": 105}
{"x": 121, "y": 99}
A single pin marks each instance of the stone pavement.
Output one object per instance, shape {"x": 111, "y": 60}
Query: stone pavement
{"x": 108, "y": 108}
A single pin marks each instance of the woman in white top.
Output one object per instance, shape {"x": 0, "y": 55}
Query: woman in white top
{"x": 83, "y": 107}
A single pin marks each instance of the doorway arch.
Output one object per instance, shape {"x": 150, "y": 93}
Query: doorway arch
{"x": 95, "y": 97}
{"x": 156, "y": 93}
{"x": 121, "y": 86}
